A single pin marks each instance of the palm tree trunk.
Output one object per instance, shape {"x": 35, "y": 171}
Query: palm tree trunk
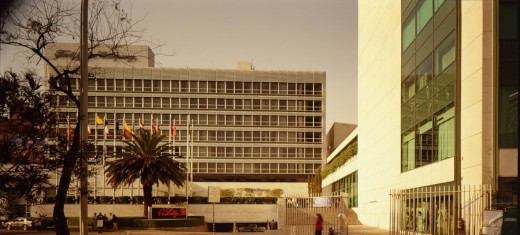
{"x": 148, "y": 200}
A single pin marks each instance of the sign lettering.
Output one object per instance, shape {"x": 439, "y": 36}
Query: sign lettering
{"x": 169, "y": 213}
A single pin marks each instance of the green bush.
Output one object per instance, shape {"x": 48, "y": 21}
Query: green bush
{"x": 340, "y": 159}
{"x": 176, "y": 200}
{"x": 70, "y": 199}
{"x": 142, "y": 222}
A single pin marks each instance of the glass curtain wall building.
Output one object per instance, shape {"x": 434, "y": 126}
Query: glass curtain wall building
{"x": 428, "y": 82}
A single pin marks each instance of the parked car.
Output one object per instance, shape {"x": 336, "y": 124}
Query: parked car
{"x": 24, "y": 223}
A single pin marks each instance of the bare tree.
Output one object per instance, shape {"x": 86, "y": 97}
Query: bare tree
{"x": 36, "y": 25}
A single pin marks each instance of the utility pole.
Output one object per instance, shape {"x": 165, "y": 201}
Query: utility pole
{"x": 83, "y": 117}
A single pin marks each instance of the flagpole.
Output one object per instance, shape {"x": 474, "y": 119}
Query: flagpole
{"x": 188, "y": 189}
{"x": 132, "y": 185}
{"x": 170, "y": 150}
{"x": 96, "y": 152}
{"x": 104, "y": 154}
{"x": 191, "y": 153}
{"x": 57, "y": 144}
{"x": 114, "y": 149}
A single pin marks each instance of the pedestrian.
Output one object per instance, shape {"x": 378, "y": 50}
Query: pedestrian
{"x": 318, "y": 227}
{"x": 331, "y": 231}
{"x": 114, "y": 222}
{"x": 106, "y": 222}
{"x": 94, "y": 221}
{"x": 99, "y": 222}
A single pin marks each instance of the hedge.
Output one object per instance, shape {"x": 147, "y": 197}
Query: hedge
{"x": 142, "y": 222}
{"x": 164, "y": 200}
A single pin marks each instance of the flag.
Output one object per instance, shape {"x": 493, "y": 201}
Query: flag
{"x": 70, "y": 133}
{"x": 99, "y": 121}
{"x": 127, "y": 132}
{"x": 89, "y": 130}
{"x": 108, "y": 131}
{"x": 172, "y": 129}
{"x": 117, "y": 125}
{"x": 153, "y": 126}
{"x": 141, "y": 124}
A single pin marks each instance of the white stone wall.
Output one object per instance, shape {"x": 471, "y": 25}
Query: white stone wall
{"x": 379, "y": 110}
{"x": 476, "y": 92}
{"x": 224, "y": 213}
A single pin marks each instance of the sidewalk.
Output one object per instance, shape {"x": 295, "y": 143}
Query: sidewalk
{"x": 352, "y": 230}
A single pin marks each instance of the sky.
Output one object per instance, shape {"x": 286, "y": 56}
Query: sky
{"x": 309, "y": 35}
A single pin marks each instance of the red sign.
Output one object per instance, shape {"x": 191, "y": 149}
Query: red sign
{"x": 169, "y": 213}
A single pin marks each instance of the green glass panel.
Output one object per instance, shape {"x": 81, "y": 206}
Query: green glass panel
{"x": 445, "y": 54}
{"x": 408, "y": 32}
{"x": 424, "y": 13}
{"x": 437, "y": 4}
{"x": 445, "y": 133}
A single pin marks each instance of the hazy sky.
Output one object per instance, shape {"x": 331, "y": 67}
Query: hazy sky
{"x": 318, "y": 35}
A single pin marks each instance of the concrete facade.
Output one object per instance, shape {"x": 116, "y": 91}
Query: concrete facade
{"x": 379, "y": 129}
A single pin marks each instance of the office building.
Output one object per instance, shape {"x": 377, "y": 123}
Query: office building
{"x": 438, "y": 98}
{"x": 244, "y": 125}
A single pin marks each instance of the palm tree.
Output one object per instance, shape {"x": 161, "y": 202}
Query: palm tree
{"x": 145, "y": 158}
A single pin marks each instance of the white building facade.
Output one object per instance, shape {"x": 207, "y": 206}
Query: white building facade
{"x": 437, "y": 101}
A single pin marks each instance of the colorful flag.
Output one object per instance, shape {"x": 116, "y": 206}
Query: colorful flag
{"x": 99, "y": 121}
{"x": 127, "y": 132}
{"x": 117, "y": 125}
{"x": 172, "y": 130}
{"x": 108, "y": 131}
{"x": 89, "y": 130}
{"x": 153, "y": 126}
{"x": 70, "y": 133}
{"x": 141, "y": 124}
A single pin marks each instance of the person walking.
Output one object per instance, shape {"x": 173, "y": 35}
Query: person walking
{"x": 94, "y": 221}
{"x": 114, "y": 222}
{"x": 318, "y": 226}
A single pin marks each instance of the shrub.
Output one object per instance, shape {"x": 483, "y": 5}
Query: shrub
{"x": 345, "y": 155}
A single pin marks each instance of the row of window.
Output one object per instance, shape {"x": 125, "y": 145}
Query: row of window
{"x": 431, "y": 141}
{"x": 347, "y": 184}
{"x": 205, "y": 103}
{"x": 427, "y": 74}
{"x": 186, "y": 86}
{"x": 254, "y": 168}
{"x": 428, "y": 85}
{"x": 418, "y": 19}
{"x": 233, "y": 152}
{"x": 223, "y": 135}
{"x": 165, "y": 120}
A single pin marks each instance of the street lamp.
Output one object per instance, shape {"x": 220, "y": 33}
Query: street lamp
{"x": 83, "y": 114}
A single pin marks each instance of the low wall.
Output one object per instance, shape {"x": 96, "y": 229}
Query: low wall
{"x": 224, "y": 213}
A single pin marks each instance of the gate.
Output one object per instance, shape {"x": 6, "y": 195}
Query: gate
{"x": 300, "y": 213}
{"x": 433, "y": 210}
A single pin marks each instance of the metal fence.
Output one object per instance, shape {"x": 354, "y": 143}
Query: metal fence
{"x": 433, "y": 210}
{"x": 300, "y": 213}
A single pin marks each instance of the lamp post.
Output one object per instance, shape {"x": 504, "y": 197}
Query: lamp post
{"x": 83, "y": 117}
